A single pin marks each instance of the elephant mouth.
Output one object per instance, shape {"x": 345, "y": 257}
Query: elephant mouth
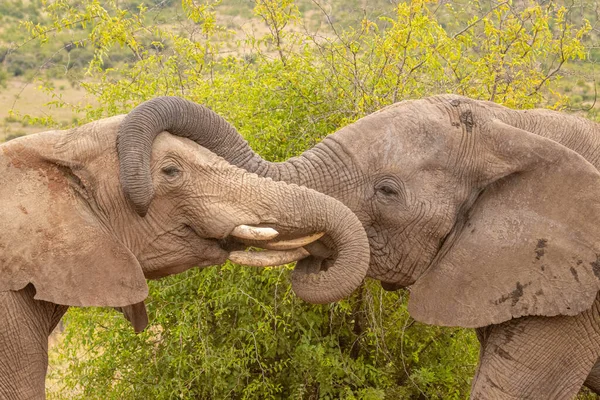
{"x": 263, "y": 251}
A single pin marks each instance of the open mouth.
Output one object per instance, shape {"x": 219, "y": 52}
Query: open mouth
{"x": 311, "y": 250}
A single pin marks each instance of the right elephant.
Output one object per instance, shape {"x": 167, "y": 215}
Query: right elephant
{"x": 490, "y": 216}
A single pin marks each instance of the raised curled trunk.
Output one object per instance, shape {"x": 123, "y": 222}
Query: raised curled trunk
{"x": 298, "y": 211}
{"x": 200, "y": 124}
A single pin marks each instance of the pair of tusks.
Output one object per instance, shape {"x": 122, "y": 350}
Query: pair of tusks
{"x": 277, "y": 253}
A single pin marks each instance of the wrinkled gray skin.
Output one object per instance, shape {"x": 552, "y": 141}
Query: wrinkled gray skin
{"x": 70, "y": 237}
{"x": 490, "y": 216}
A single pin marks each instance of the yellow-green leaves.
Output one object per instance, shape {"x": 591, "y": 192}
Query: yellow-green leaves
{"x": 277, "y": 14}
{"x": 517, "y": 53}
{"x": 203, "y": 14}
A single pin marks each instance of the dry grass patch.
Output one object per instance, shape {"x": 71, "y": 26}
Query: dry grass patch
{"x": 29, "y": 99}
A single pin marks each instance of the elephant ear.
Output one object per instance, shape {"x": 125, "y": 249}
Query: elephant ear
{"x": 530, "y": 244}
{"x": 51, "y": 237}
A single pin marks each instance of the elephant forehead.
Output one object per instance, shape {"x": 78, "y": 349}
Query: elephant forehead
{"x": 403, "y": 137}
{"x": 187, "y": 149}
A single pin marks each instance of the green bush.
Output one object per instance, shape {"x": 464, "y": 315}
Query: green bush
{"x": 236, "y": 332}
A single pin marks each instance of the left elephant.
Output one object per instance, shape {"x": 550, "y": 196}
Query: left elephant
{"x": 70, "y": 237}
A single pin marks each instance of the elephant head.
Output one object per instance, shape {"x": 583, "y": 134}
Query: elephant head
{"x": 462, "y": 200}
{"x": 67, "y": 227}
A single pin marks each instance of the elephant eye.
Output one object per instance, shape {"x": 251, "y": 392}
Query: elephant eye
{"x": 171, "y": 171}
{"x": 387, "y": 190}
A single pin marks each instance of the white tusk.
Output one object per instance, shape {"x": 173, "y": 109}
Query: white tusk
{"x": 292, "y": 243}
{"x": 253, "y": 232}
{"x": 267, "y": 258}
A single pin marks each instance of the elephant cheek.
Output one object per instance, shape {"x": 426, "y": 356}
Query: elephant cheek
{"x": 176, "y": 254}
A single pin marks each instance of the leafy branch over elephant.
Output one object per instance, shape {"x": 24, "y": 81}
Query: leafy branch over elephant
{"x": 69, "y": 236}
{"x": 490, "y": 216}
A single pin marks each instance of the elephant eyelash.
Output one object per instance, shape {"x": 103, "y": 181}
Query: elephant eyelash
{"x": 170, "y": 171}
{"x": 387, "y": 190}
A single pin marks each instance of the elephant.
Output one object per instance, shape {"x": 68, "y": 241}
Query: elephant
{"x": 70, "y": 236}
{"x": 489, "y": 216}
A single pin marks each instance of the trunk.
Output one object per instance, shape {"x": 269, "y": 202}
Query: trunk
{"x": 184, "y": 118}
{"x": 315, "y": 279}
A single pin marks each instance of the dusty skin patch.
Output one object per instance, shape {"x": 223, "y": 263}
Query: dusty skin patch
{"x": 22, "y": 157}
{"x": 491, "y": 383}
{"x": 467, "y": 119}
{"x": 514, "y": 296}
{"x": 596, "y": 266}
{"x": 504, "y": 354}
{"x": 508, "y": 336}
{"x": 574, "y": 273}
{"x": 539, "y": 248}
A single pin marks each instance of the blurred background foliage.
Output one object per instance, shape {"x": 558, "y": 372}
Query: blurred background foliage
{"x": 285, "y": 73}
